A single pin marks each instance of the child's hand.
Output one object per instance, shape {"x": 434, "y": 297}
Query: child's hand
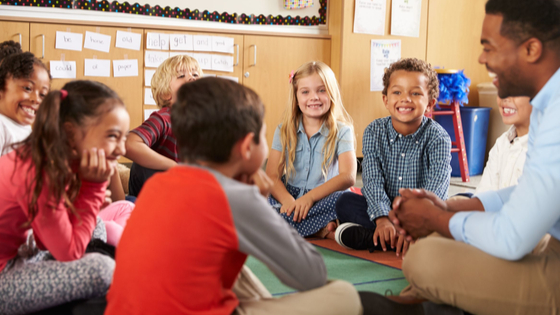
{"x": 403, "y": 244}
{"x": 259, "y": 179}
{"x": 94, "y": 167}
{"x": 301, "y": 207}
{"x": 385, "y": 231}
{"x": 287, "y": 206}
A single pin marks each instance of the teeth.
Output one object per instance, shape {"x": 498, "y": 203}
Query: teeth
{"x": 404, "y": 110}
{"x": 28, "y": 110}
{"x": 509, "y": 111}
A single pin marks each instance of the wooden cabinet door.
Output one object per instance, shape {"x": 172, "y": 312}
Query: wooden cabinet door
{"x": 16, "y": 31}
{"x": 268, "y": 61}
{"x": 237, "y": 56}
{"x": 43, "y": 37}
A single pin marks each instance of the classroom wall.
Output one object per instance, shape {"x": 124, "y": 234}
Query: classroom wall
{"x": 449, "y": 37}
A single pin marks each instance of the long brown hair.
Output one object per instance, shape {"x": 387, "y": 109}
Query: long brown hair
{"x": 48, "y": 145}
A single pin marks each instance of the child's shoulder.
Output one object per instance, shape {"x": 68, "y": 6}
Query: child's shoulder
{"x": 379, "y": 125}
{"x": 435, "y": 130}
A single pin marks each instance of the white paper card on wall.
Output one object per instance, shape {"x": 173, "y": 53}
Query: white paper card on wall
{"x": 125, "y": 68}
{"x": 157, "y": 41}
{"x": 177, "y": 53}
{"x": 222, "y": 63}
{"x": 148, "y": 74}
{"x": 222, "y": 44}
{"x": 369, "y": 17}
{"x": 405, "y": 17}
{"x": 128, "y": 40}
{"x": 202, "y": 43}
{"x": 204, "y": 60}
{"x": 97, "y": 67}
{"x": 63, "y": 69}
{"x": 383, "y": 54}
{"x": 181, "y": 42}
{"x": 236, "y": 79}
{"x": 149, "y": 112}
{"x": 69, "y": 41}
{"x": 209, "y": 75}
{"x": 154, "y": 58}
{"x": 97, "y": 41}
{"x": 148, "y": 97}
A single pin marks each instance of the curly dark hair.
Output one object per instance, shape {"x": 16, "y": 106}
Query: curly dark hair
{"x": 19, "y": 66}
{"x": 8, "y": 48}
{"x": 413, "y": 65}
{"x": 524, "y": 19}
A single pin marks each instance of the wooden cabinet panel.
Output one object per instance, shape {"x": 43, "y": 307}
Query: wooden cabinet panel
{"x": 127, "y": 87}
{"x": 268, "y": 75}
{"x": 16, "y": 31}
{"x": 237, "y": 55}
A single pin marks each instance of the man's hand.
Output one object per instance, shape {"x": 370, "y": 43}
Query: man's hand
{"x": 420, "y": 217}
{"x": 385, "y": 231}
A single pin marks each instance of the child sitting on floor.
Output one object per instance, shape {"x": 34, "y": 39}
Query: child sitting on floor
{"x": 54, "y": 183}
{"x": 152, "y": 146}
{"x": 186, "y": 261}
{"x": 313, "y": 158}
{"x": 404, "y": 150}
{"x": 507, "y": 156}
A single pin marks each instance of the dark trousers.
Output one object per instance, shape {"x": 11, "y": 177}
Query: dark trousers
{"x": 351, "y": 207}
{"x": 138, "y": 176}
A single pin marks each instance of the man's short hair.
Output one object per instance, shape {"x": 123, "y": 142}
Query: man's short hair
{"x": 524, "y": 19}
{"x": 210, "y": 115}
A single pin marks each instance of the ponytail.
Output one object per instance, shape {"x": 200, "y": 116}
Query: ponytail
{"x": 49, "y": 150}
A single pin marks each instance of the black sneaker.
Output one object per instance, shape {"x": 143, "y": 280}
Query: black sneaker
{"x": 354, "y": 236}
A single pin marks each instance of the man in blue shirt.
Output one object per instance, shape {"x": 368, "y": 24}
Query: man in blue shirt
{"x": 493, "y": 254}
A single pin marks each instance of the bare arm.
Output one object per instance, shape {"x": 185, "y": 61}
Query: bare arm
{"x": 140, "y": 153}
{"x": 115, "y": 186}
{"x": 278, "y": 190}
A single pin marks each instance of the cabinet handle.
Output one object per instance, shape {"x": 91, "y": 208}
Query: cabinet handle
{"x": 254, "y": 55}
{"x": 237, "y": 63}
{"x": 43, "y": 55}
{"x": 20, "y": 43}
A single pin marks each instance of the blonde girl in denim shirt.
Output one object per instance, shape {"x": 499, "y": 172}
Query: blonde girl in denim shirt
{"x": 313, "y": 157}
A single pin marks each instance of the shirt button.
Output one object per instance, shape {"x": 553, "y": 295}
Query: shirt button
{"x": 416, "y": 142}
{"x": 402, "y": 154}
{"x": 400, "y": 177}
{"x": 400, "y": 136}
{"x": 391, "y": 140}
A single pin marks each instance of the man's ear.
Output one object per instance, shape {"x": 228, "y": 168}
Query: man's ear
{"x": 532, "y": 50}
{"x": 246, "y": 146}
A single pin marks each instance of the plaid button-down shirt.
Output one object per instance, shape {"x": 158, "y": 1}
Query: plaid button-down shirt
{"x": 393, "y": 161}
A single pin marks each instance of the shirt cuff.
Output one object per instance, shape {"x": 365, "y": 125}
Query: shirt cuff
{"x": 457, "y": 224}
{"x": 491, "y": 201}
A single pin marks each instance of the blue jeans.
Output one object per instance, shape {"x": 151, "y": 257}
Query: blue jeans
{"x": 351, "y": 207}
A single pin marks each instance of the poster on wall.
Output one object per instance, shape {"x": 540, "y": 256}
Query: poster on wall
{"x": 405, "y": 17}
{"x": 369, "y": 17}
{"x": 383, "y": 54}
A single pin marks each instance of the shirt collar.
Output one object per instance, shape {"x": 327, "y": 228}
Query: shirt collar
{"x": 511, "y": 133}
{"x": 393, "y": 134}
{"x": 324, "y": 131}
{"x": 542, "y": 99}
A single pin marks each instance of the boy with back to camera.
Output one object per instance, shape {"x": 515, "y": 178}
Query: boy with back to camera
{"x": 187, "y": 261}
{"x": 403, "y": 150}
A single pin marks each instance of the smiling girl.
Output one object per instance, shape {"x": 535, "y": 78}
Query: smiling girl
{"x": 54, "y": 183}
{"x": 312, "y": 160}
{"x": 24, "y": 82}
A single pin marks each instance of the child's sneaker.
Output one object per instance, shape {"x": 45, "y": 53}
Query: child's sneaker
{"x": 354, "y": 236}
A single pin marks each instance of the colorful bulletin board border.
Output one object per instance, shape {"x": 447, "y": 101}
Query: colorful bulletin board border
{"x": 178, "y": 13}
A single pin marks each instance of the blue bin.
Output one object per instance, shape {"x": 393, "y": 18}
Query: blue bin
{"x": 475, "y": 130}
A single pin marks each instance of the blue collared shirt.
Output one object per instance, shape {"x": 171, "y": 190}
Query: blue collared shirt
{"x": 517, "y": 217}
{"x": 309, "y": 155}
{"x": 393, "y": 161}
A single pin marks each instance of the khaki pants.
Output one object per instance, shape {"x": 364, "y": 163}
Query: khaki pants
{"x": 446, "y": 271}
{"x": 336, "y": 297}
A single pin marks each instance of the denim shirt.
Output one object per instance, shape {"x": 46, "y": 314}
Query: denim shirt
{"x": 309, "y": 155}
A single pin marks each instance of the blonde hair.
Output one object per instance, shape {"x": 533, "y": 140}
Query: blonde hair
{"x": 290, "y": 121}
{"x": 161, "y": 80}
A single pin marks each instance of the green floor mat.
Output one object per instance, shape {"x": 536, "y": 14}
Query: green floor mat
{"x": 365, "y": 275}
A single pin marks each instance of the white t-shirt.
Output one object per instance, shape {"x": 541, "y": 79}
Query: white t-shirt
{"x": 11, "y": 132}
{"x": 505, "y": 162}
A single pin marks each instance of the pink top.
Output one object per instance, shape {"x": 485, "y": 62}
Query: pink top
{"x": 56, "y": 230}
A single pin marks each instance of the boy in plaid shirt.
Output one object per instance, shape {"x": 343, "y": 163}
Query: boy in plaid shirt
{"x": 404, "y": 150}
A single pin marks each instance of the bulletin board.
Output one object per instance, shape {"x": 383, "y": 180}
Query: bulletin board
{"x": 239, "y": 13}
